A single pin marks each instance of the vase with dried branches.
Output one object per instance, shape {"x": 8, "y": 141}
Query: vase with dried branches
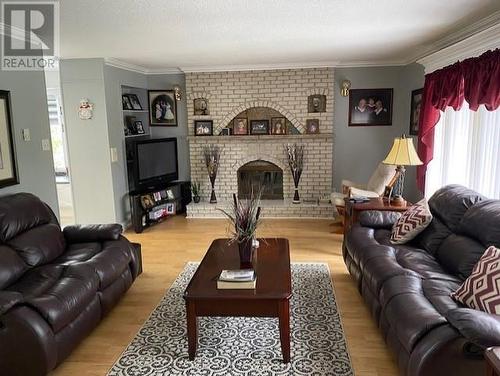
{"x": 244, "y": 216}
{"x": 211, "y": 153}
{"x": 295, "y": 155}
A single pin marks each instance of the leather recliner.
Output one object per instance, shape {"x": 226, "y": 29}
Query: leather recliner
{"x": 55, "y": 286}
{"x": 407, "y": 287}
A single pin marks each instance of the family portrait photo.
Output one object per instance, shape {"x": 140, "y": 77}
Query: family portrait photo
{"x": 162, "y": 108}
{"x": 416, "y": 104}
{"x": 278, "y": 125}
{"x": 370, "y": 107}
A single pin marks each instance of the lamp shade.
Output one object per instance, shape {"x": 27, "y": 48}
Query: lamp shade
{"x": 403, "y": 153}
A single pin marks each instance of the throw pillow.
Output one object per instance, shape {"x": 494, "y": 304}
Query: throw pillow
{"x": 411, "y": 223}
{"x": 481, "y": 290}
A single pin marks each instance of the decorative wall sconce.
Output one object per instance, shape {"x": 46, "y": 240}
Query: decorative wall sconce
{"x": 178, "y": 93}
{"x": 346, "y": 85}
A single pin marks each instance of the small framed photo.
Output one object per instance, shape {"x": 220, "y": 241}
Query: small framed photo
{"x": 316, "y": 103}
{"x": 134, "y": 100}
{"x": 370, "y": 107}
{"x": 240, "y": 126}
{"x": 139, "y": 127}
{"x": 278, "y": 125}
{"x": 162, "y": 108}
{"x": 226, "y": 132}
{"x": 416, "y": 104}
{"x": 147, "y": 201}
{"x": 203, "y": 127}
{"x": 170, "y": 194}
{"x": 200, "y": 106}
{"x": 171, "y": 208}
{"x": 258, "y": 127}
{"x": 312, "y": 126}
{"x": 126, "y": 104}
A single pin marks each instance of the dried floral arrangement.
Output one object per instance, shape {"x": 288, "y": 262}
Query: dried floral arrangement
{"x": 211, "y": 154}
{"x": 295, "y": 155}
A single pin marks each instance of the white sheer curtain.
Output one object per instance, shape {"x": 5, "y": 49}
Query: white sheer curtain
{"x": 466, "y": 151}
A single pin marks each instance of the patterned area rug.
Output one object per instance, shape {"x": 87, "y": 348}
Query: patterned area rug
{"x": 243, "y": 346}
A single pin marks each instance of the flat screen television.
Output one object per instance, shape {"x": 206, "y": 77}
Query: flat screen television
{"x": 152, "y": 163}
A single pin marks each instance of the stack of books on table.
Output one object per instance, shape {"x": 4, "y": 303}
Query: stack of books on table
{"x": 237, "y": 279}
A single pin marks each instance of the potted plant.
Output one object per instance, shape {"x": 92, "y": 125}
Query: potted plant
{"x": 195, "y": 190}
{"x": 244, "y": 216}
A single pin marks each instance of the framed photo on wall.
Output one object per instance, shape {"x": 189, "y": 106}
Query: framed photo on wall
{"x": 162, "y": 108}
{"x": 240, "y": 126}
{"x": 203, "y": 127}
{"x": 370, "y": 107}
{"x": 8, "y": 168}
{"x": 312, "y": 126}
{"x": 258, "y": 127}
{"x": 416, "y": 104}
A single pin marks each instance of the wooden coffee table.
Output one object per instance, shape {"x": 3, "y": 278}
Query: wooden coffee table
{"x": 270, "y": 298}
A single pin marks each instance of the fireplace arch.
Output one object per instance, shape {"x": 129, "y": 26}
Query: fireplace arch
{"x": 258, "y": 174}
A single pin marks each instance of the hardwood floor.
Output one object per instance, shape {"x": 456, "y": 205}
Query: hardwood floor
{"x": 168, "y": 246}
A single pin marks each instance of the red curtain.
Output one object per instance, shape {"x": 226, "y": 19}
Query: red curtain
{"x": 475, "y": 80}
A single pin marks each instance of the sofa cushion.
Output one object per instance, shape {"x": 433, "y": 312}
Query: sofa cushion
{"x": 450, "y": 204}
{"x": 12, "y": 266}
{"x": 431, "y": 238}
{"x": 458, "y": 254}
{"x": 78, "y": 252}
{"x": 482, "y": 289}
{"x": 411, "y": 223}
{"x": 482, "y": 222}
{"x": 20, "y": 212}
{"x": 59, "y": 293}
{"x": 39, "y": 245}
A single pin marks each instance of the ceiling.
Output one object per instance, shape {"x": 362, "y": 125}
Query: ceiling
{"x": 203, "y": 34}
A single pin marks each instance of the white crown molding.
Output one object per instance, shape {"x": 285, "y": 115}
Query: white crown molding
{"x": 253, "y": 67}
{"x": 472, "y": 46}
{"x": 138, "y": 68}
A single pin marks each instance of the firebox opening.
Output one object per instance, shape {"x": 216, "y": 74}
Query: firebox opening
{"x": 256, "y": 174}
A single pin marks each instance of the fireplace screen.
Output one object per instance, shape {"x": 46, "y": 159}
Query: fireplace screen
{"x": 256, "y": 174}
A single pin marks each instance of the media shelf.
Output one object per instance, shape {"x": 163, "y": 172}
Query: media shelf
{"x": 149, "y": 207}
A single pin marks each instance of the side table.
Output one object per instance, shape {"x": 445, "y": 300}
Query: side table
{"x": 492, "y": 357}
{"x": 352, "y": 209}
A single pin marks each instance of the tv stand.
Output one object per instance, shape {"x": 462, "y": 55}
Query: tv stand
{"x": 151, "y": 206}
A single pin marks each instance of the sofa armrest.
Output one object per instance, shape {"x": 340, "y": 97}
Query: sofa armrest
{"x": 378, "y": 219}
{"x": 478, "y": 327}
{"x": 92, "y": 233}
{"x": 9, "y": 299}
{"x": 356, "y": 192}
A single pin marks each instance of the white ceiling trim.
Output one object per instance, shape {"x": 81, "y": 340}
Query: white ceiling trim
{"x": 472, "y": 46}
{"x": 139, "y": 69}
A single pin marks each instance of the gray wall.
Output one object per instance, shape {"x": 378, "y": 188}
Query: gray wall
{"x": 358, "y": 150}
{"x": 114, "y": 78}
{"x": 29, "y": 110}
{"x": 167, "y": 82}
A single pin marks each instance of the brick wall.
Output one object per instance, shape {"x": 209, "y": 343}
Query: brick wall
{"x": 286, "y": 91}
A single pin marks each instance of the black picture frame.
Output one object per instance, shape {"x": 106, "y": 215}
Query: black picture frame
{"x": 203, "y": 127}
{"x": 139, "y": 127}
{"x": 364, "y": 107}
{"x": 126, "y": 104}
{"x": 259, "y": 127}
{"x": 162, "y": 107}
{"x": 134, "y": 101}
{"x": 8, "y": 160}
{"x": 415, "y": 106}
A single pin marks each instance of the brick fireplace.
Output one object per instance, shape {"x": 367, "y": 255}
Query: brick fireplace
{"x": 261, "y": 158}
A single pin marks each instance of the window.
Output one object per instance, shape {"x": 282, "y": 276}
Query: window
{"x": 466, "y": 151}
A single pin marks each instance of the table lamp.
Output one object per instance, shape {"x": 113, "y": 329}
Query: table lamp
{"x": 402, "y": 154}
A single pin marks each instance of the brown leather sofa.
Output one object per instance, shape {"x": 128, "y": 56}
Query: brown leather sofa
{"x": 55, "y": 286}
{"x": 407, "y": 287}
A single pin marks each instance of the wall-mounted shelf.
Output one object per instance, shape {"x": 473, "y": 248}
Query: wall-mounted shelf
{"x": 130, "y": 116}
